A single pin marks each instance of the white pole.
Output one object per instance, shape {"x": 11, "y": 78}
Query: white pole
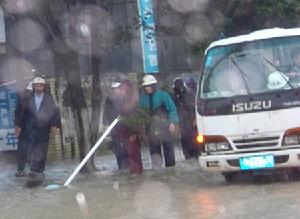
{"x": 12, "y": 82}
{"x": 94, "y": 148}
{"x": 8, "y": 83}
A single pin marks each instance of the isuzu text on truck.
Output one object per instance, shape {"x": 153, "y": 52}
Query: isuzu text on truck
{"x": 248, "y": 103}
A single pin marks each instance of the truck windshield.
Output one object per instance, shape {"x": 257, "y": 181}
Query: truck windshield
{"x": 254, "y": 67}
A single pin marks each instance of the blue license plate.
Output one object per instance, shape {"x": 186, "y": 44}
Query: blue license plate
{"x": 257, "y": 162}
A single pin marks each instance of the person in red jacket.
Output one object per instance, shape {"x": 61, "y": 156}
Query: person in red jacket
{"x": 122, "y": 101}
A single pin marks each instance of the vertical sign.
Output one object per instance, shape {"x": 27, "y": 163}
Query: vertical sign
{"x": 148, "y": 39}
{"x": 8, "y": 100}
{"x": 2, "y": 26}
{"x": 2, "y": 31}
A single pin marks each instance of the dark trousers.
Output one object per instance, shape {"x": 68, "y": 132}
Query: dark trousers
{"x": 188, "y": 138}
{"x": 134, "y": 156}
{"x": 189, "y": 147}
{"x": 39, "y": 155}
{"x": 127, "y": 149}
{"x": 155, "y": 143}
{"x": 40, "y": 140}
{"x": 21, "y": 154}
{"x": 120, "y": 144}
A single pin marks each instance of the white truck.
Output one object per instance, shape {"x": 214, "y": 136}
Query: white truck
{"x": 248, "y": 103}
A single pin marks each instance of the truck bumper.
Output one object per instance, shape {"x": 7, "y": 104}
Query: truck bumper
{"x": 230, "y": 162}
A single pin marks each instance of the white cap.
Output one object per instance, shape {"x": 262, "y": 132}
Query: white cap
{"x": 148, "y": 80}
{"x": 38, "y": 80}
{"x": 115, "y": 84}
{"x": 277, "y": 80}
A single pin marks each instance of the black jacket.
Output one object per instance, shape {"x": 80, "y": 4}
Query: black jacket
{"x": 29, "y": 119}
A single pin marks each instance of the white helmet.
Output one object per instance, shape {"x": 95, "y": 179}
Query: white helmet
{"x": 115, "y": 84}
{"x": 148, "y": 80}
{"x": 277, "y": 80}
{"x": 38, "y": 80}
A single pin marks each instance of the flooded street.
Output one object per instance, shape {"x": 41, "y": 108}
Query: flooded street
{"x": 217, "y": 77}
{"x": 180, "y": 192}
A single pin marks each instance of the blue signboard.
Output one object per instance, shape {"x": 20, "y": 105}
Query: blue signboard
{"x": 148, "y": 39}
{"x": 2, "y": 26}
{"x": 8, "y": 100}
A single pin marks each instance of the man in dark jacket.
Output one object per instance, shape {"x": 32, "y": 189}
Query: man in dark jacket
{"x": 184, "y": 98}
{"x": 163, "y": 118}
{"x": 42, "y": 116}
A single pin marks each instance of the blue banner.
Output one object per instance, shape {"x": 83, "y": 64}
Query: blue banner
{"x": 8, "y": 100}
{"x": 148, "y": 39}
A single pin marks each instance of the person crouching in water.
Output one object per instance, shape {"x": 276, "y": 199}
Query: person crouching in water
{"x": 122, "y": 101}
{"x": 163, "y": 117}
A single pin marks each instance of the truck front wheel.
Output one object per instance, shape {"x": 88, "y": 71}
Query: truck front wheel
{"x": 229, "y": 176}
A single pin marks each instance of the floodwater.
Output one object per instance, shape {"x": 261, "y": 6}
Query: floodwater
{"x": 180, "y": 192}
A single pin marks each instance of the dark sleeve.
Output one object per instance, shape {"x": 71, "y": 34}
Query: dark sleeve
{"x": 56, "y": 119}
{"x": 21, "y": 110}
{"x": 191, "y": 102}
{"x": 109, "y": 113}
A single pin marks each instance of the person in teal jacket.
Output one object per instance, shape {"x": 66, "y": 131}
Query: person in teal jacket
{"x": 162, "y": 123}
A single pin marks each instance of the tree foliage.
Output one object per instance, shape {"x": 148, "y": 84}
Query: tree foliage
{"x": 234, "y": 17}
{"x": 250, "y": 15}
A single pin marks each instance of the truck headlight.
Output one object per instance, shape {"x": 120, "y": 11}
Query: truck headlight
{"x": 291, "y": 139}
{"x": 216, "y": 143}
{"x": 210, "y": 147}
{"x": 223, "y": 146}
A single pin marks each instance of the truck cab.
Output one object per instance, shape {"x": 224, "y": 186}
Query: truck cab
{"x": 248, "y": 103}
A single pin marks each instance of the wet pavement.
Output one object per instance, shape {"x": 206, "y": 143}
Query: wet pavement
{"x": 180, "y": 192}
